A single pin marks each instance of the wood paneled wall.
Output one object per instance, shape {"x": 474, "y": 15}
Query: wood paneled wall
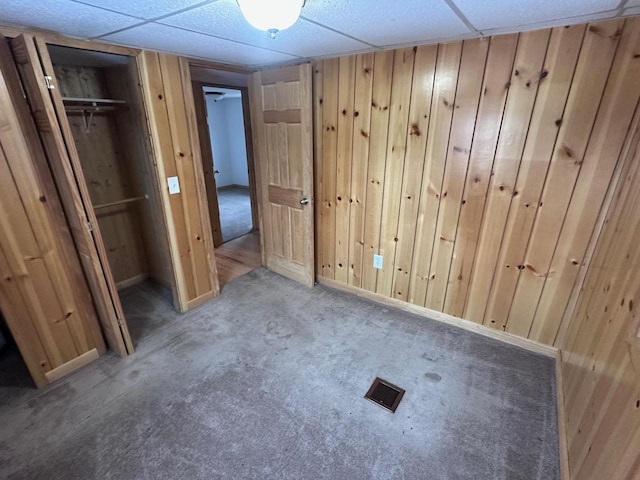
{"x": 601, "y": 348}
{"x": 133, "y": 134}
{"x": 477, "y": 169}
{"x": 172, "y": 122}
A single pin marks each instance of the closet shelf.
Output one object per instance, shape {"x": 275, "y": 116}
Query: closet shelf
{"x": 120, "y": 202}
{"x": 79, "y": 104}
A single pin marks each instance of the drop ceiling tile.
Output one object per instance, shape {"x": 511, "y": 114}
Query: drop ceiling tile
{"x": 63, "y": 16}
{"x": 154, "y": 36}
{"x": 632, "y": 3}
{"x": 224, "y": 19}
{"x": 386, "y": 23}
{"x": 632, "y": 11}
{"x": 145, "y": 10}
{"x": 506, "y": 13}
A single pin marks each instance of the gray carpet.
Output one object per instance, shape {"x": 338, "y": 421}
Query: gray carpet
{"x": 267, "y": 381}
{"x": 235, "y": 212}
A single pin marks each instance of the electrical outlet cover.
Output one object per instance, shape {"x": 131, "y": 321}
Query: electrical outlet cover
{"x": 377, "y": 261}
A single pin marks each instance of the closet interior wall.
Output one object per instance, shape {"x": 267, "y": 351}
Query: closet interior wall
{"x": 112, "y": 143}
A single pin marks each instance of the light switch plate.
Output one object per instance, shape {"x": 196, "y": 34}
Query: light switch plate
{"x": 174, "y": 185}
{"x": 377, "y": 261}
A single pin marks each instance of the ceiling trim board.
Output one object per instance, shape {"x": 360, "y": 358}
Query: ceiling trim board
{"x": 463, "y": 18}
{"x": 263, "y": 66}
{"x": 225, "y": 67}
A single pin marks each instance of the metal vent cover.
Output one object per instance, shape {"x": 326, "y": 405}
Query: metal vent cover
{"x": 385, "y": 394}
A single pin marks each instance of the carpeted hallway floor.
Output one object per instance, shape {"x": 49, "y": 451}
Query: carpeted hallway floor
{"x": 235, "y": 212}
{"x": 267, "y": 382}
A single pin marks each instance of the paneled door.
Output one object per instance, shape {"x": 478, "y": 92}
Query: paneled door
{"x": 44, "y": 296}
{"x": 281, "y": 116}
{"x": 38, "y": 78}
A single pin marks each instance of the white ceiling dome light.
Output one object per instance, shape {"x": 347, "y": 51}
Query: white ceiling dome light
{"x": 271, "y": 15}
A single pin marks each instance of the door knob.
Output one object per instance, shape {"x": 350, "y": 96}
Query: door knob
{"x": 304, "y": 201}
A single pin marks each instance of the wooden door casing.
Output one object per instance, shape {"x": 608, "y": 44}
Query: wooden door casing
{"x": 281, "y": 116}
{"x": 207, "y": 162}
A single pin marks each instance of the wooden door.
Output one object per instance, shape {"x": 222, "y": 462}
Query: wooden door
{"x": 207, "y": 162}
{"x": 43, "y": 294}
{"x": 281, "y": 116}
{"x": 39, "y": 81}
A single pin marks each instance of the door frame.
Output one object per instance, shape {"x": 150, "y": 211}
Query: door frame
{"x": 208, "y": 160}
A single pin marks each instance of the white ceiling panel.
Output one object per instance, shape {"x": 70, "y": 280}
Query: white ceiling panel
{"x": 168, "y": 39}
{"x": 216, "y": 30}
{"x": 63, "y": 16}
{"x": 489, "y": 14}
{"x": 224, "y": 19}
{"x": 142, "y": 9}
{"x": 386, "y": 23}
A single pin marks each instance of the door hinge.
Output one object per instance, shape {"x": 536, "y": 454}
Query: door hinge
{"x": 48, "y": 80}
{"x": 120, "y": 322}
{"x": 90, "y": 226}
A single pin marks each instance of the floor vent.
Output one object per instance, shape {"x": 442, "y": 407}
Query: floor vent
{"x": 385, "y": 394}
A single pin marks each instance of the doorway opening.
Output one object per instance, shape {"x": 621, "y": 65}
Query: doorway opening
{"x": 224, "y": 129}
{"x": 225, "y": 119}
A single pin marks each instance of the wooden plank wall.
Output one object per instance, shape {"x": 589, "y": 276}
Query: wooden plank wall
{"x": 477, "y": 169}
{"x": 167, "y": 88}
{"x": 133, "y": 135}
{"x": 601, "y": 347}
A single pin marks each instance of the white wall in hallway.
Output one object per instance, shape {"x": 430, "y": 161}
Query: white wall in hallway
{"x": 226, "y": 128}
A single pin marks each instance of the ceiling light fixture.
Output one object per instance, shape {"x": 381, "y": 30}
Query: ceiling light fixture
{"x": 271, "y": 15}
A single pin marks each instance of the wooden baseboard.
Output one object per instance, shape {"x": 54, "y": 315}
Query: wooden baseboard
{"x": 562, "y": 422}
{"x": 196, "y": 302}
{"x": 128, "y": 282}
{"x": 74, "y": 364}
{"x": 505, "y": 337}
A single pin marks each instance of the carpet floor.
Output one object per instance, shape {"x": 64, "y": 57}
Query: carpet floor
{"x": 267, "y": 381}
{"x": 235, "y": 212}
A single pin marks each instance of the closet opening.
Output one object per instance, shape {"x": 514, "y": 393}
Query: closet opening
{"x": 103, "y": 105}
{"x": 224, "y": 129}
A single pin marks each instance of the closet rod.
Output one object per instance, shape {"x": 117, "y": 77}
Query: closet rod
{"x": 120, "y": 202}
